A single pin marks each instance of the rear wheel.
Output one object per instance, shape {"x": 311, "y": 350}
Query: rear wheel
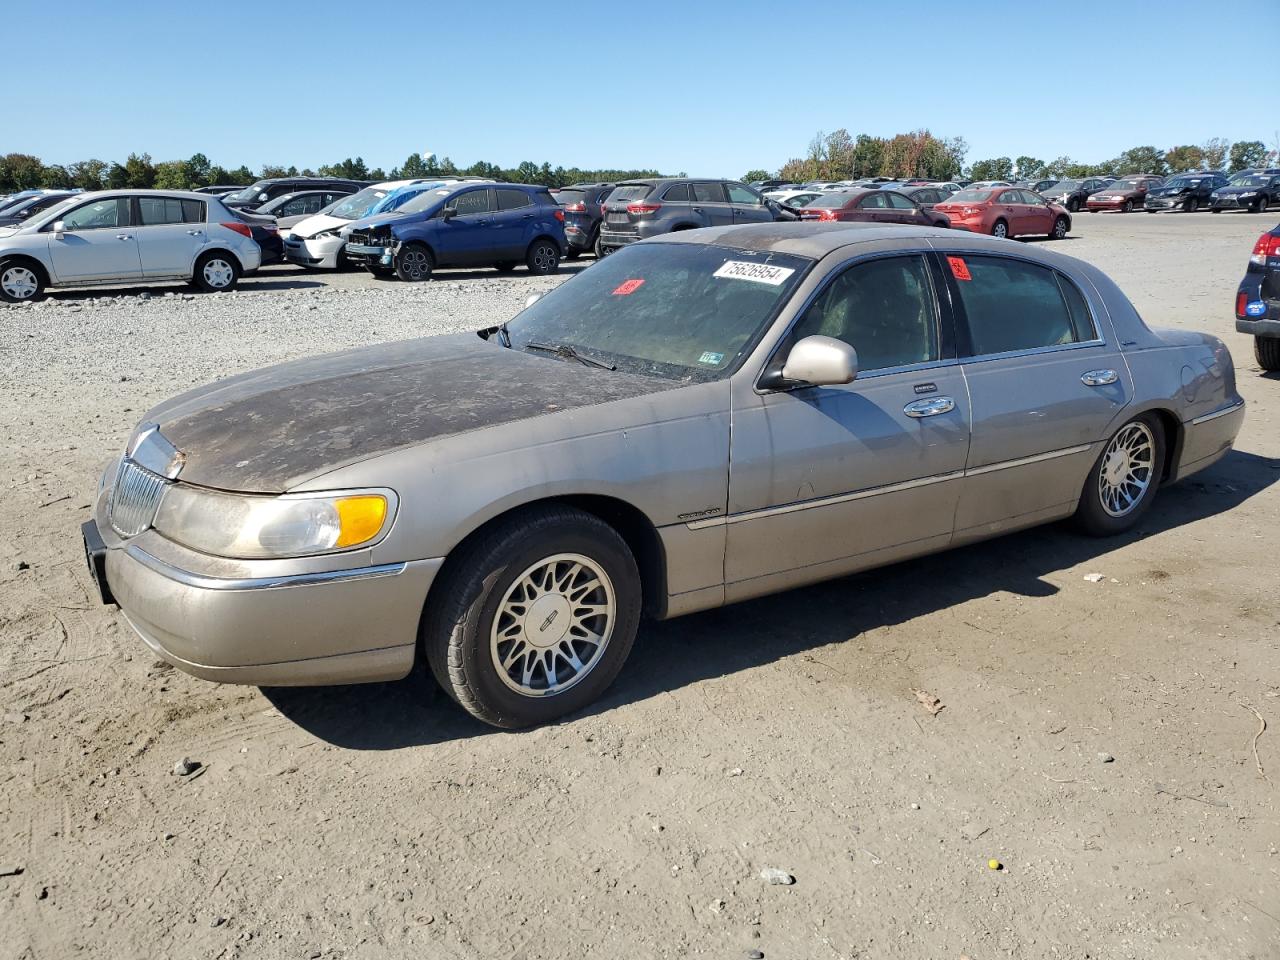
{"x": 1215, "y": 209}
{"x": 1059, "y": 230}
{"x": 414, "y": 263}
{"x": 601, "y": 250}
{"x": 1261, "y": 205}
{"x": 1073, "y": 205}
{"x": 1267, "y": 352}
{"x": 1123, "y": 481}
{"x": 1192, "y": 205}
{"x": 1127, "y": 207}
{"x": 1000, "y": 229}
{"x": 216, "y": 272}
{"x": 535, "y": 618}
{"x": 543, "y": 257}
{"x": 379, "y": 271}
{"x": 20, "y": 282}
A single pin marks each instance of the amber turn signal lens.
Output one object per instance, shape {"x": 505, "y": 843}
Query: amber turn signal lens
{"x": 360, "y": 518}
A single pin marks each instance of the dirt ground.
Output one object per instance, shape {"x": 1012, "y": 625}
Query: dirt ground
{"x": 380, "y": 821}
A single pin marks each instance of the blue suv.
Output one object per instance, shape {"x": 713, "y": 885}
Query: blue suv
{"x": 462, "y": 225}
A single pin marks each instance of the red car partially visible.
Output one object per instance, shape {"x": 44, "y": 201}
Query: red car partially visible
{"x": 871, "y": 206}
{"x": 1006, "y": 212}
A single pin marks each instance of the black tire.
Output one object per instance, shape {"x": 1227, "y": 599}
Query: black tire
{"x": 1073, "y": 205}
{"x": 1191, "y": 205}
{"x": 216, "y": 272}
{"x": 573, "y": 253}
{"x": 1059, "y": 231}
{"x": 21, "y": 281}
{"x": 1000, "y": 229}
{"x": 601, "y": 250}
{"x": 1091, "y": 515}
{"x": 413, "y": 263}
{"x": 458, "y": 628}
{"x": 543, "y": 257}
{"x": 1127, "y": 207}
{"x": 1261, "y": 205}
{"x": 1266, "y": 350}
{"x": 1215, "y": 209}
{"x": 505, "y": 266}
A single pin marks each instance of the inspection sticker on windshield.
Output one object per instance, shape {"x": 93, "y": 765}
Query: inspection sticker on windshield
{"x": 711, "y": 358}
{"x": 627, "y": 286}
{"x": 959, "y": 269}
{"x": 759, "y": 272}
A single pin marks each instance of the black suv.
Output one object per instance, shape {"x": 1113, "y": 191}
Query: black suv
{"x": 581, "y": 205}
{"x": 637, "y": 209}
{"x": 1186, "y": 191}
{"x": 255, "y": 196}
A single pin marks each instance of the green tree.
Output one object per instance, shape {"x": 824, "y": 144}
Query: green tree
{"x": 1180, "y": 159}
{"x": 527, "y": 172}
{"x": 868, "y": 155}
{"x": 88, "y": 174}
{"x": 1214, "y": 150}
{"x": 56, "y": 177}
{"x": 272, "y": 171}
{"x": 20, "y": 171}
{"x": 755, "y": 175}
{"x": 198, "y": 169}
{"x": 139, "y": 170}
{"x": 1029, "y": 168}
{"x": 1060, "y": 167}
{"x": 171, "y": 175}
{"x": 117, "y": 177}
{"x": 412, "y": 168}
{"x": 1140, "y": 160}
{"x": 1247, "y": 153}
{"x": 377, "y": 173}
{"x": 1001, "y": 168}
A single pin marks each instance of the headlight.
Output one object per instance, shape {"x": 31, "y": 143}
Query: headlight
{"x": 257, "y": 527}
{"x": 1249, "y": 193}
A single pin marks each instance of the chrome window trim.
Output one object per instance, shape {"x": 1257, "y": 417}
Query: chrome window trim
{"x": 202, "y": 582}
{"x": 1034, "y": 351}
{"x": 1239, "y": 404}
{"x": 887, "y": 488}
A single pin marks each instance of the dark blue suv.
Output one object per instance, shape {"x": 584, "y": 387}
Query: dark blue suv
{"x": 462, "y": 225}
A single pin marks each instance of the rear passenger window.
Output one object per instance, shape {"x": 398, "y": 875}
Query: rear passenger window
{"x": 161, "y": 210}
{"x": 509, "y": 199}
{"x": 677, "y": 193}
{"x": 1011, "y": 305}
{"x": 708, "y": 193}
{"x": 884, "y": 309}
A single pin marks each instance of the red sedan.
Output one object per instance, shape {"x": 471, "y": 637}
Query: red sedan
{"x": 871, "y": 206}
{"x": 1006, "y": 212}
{"x": 1129, "y": 193}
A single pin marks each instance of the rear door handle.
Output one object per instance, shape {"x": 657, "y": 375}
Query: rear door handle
{"x": 124, "y": 236}
{"x": 195, "y": 233}
{"x": 1098, "y": 378}
{"x": 929, "y": 408}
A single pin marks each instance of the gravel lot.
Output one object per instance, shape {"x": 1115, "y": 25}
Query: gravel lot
{"x": 380, "y": 821}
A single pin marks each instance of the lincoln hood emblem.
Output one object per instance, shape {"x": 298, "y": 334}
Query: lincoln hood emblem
{"x": 151, "y": 450}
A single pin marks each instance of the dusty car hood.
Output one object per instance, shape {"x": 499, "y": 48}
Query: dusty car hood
{"x": 271, "y": 429}
{"x": 317, "y": 223}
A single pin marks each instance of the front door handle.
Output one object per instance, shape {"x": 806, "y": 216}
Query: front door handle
{"x": 929, "y": 408}
{"x": 124, "y": 236}
{"x": 1098, "y": 378}
{"x": 195, "y": 233}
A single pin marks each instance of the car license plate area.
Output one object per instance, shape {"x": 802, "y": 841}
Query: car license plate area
{"x": 618, "y": 218}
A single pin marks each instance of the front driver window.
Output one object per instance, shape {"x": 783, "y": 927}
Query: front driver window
{"x": 477, "y": 201}
{"x": 899, "y": 202}
{"x": 740, "y": 194}
{"x": 94, "y": 216}
{"x": 884, "y": 309}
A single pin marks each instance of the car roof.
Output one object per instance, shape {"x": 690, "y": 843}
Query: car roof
{"x": 135, "y": 191}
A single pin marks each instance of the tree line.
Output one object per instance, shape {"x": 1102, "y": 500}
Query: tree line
{"x": 21, "y": 171}
{"x": 839, "y": 156}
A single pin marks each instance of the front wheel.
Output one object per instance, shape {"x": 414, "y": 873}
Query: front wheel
{"x": 1261, "y": 205}
{"x": 1266, "y": 350}
{"x": 1192, "y": 205}
{"x": 505, "y": 266}
{"x": 20, "y": 282}
{"x": 535, "y": 618}
{"x": 1059, "y": 230}
{"x": 1073, "y": 205}
{"x": 1123, "y": 481}
{"x": 543, "y": 257}
{"x": 1001, "y": 229}
{"x": 216, "y": 272}
{"x": 1127, "y": 207}
{"x": 413, "y": 263}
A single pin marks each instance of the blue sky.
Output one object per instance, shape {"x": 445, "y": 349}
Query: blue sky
{"x": 710, "y": 88}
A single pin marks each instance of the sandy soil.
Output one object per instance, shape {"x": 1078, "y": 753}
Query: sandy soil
{"x": 382, "y": 822}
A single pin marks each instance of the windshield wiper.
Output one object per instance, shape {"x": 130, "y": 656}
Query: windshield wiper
{"x": 569, "y": 353}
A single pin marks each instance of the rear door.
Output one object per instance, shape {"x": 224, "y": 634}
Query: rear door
{"x": 170, "y": 233}
{"x": 98, "y": 242}
{"x": 874, "y": 207}
{"x": 748, "y": 206}
{"x": 1044, "y": 382}
{"x": 903, "y": 209}
{"x": 511, "y": 222}
{"x": 1010, "y": 207}
{"x": 711, "y": 203}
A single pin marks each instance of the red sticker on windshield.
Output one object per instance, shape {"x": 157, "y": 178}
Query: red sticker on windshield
{"x": 627, "y": 286}
{"x": 958, "y": 268}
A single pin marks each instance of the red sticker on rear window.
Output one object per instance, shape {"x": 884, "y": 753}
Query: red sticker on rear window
{"x": 627, "y": 286}
{"x": 958, "y": 268}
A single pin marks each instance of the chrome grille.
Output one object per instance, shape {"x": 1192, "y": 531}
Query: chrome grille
{"x": 134, "y": 499}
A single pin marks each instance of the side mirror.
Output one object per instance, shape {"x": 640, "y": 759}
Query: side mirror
{"x": 816, "y": 362}
{"x": 59, "y": 228}
{"x": 449, "y": 212}
{"x": 530, "y": 300}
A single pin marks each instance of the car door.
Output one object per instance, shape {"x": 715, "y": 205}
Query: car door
{"x": 465, "y": 238}
{"x": 97, "y": 242}
{"x": 1038, "y": 218}
{"x": 511, "y": 223}
{"x": 904, "y": 210}
{"x": 1045, "y": 380}
{"x": 711, "y": 203}
{"x": 872, "y": 208}
{"x": 170, "y": 233}
{"x": 824, "y": 480}
{"x": 1009, "y": 206}
{"x": 747, "y": 205}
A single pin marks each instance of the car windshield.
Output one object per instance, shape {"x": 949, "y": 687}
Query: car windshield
{"x": 248, "y": 193}
{"x": 1179, "y": 182}
{"x": 681, "y": 311}
{"x": 56, "y": 208}
{"x": 830, "y": 200}
{"x": 401, "y": 198}
{"x": 970, "y": 196}
{"x": 359, "y": 204}
{"x": 1249, "y": 181}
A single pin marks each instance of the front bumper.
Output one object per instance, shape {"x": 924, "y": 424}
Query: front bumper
{"x": 1096, "y": 205}
{"x": 610, "y": 238}
{"x": 1165, "y": 203}
{"x": 370, "y": 253}
{"x": 307, "y": 628}
{"x": 1232, "y": 203}
{"x": 322, "y": 252}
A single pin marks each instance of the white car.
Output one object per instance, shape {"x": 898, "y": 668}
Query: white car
{"x": 314, "y": 242}
{"x": 794, "y": 198}
{"x": 125, "y": 237}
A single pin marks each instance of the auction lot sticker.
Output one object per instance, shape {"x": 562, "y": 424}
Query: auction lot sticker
{"x": 959, "y": 269}
{"x": 626, "y": 287}
{"x": 759, "y": 272}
